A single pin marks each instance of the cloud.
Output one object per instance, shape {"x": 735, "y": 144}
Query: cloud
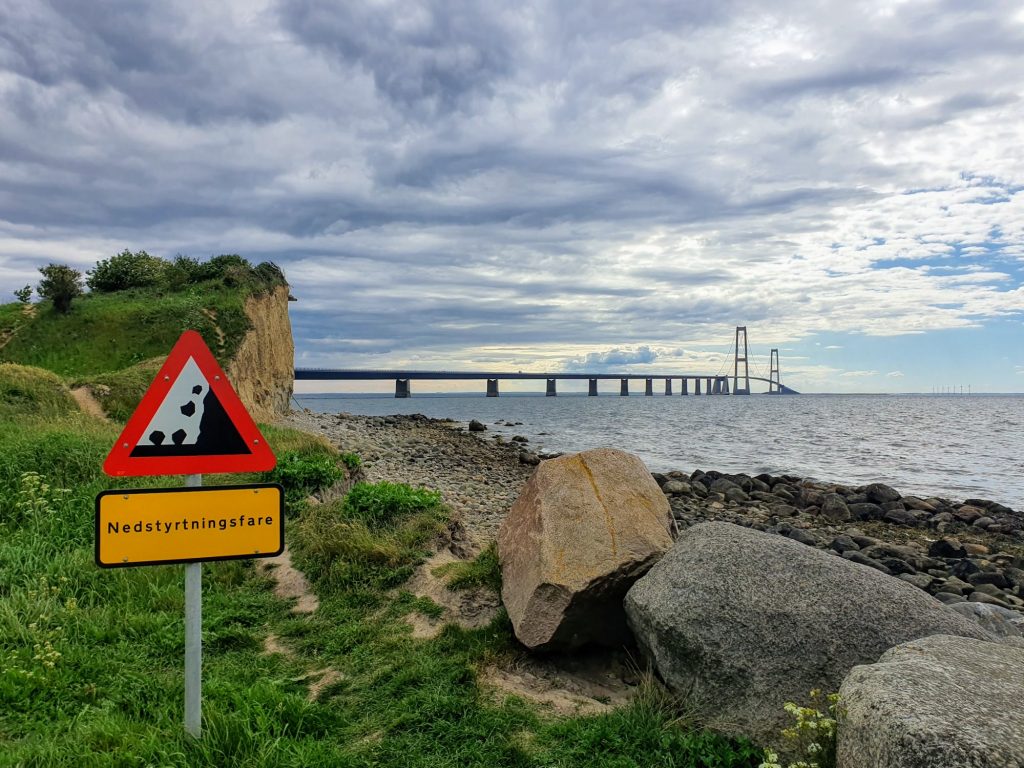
{"x": 834, "y": 346}
{"x": 895, "y": 374}
{"x": 858, "y": 374}
{"x": 612, "y": 358}
{"x": 534, "y": 182}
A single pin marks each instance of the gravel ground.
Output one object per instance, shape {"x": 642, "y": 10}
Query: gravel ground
{"x": 478, "y": 478}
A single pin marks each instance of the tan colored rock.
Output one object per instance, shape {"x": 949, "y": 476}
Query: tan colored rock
{"x": 263, "y": 369}
{"x": 584, "y": 528}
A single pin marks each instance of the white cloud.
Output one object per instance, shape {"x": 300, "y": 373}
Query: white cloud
{"x": 895, "y": 374}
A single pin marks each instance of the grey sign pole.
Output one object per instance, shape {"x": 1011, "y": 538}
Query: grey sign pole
{"x": 194, "y": 638}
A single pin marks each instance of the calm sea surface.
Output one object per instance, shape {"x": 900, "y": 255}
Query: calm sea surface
{"x": 952, "y": 446}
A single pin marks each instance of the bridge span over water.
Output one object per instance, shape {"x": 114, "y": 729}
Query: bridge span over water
{"x": 713, "y": 385}
{"x": 701, "y": 384}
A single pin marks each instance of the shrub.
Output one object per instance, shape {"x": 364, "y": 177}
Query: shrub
{"x": 812, "y": 739}
{"x": 185, "y": 270}
{"x": 24, "y": 294}
{"x": 126, "y": 270}
{"x": 60, "y": 284}
{"x": 302, "y": 473}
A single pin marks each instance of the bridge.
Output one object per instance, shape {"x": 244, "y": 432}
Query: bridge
{"x": 712, "y": 385}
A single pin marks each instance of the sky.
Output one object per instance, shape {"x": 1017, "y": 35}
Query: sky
{"x": 549, "y": 186}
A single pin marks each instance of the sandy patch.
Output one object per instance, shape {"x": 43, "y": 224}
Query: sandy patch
{"x": 290, "y": 583}
{"x": 469, "y": 608}
{"x": 587, "y": 684}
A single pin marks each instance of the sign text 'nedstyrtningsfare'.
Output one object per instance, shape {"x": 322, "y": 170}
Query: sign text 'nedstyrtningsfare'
{"x": 150, "y": 526}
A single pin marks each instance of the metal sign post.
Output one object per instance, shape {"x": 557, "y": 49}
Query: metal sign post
{"x": 194, "y": 638}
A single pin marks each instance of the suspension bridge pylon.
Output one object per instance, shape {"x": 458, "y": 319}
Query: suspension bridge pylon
{"x": 741, "y": 331}
{"x": 774, "y": 378}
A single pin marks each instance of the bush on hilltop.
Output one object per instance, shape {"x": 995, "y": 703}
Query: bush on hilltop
{"x": 61, "y": 284}
{"x": 126, "y": 270}
{"x": 141, "y": 270}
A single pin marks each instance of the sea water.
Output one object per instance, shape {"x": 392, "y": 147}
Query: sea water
{"x": 952, "y": 446}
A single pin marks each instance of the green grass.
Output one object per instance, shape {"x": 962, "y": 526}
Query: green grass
{"x": 34, "y": 393}
{"x": 91, "y": 659}
{"x": 482, "y": 571}
{"x": 108, "y": 332}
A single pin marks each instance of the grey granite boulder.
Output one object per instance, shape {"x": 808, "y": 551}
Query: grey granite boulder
{"x": 935, "y": 703}
{"x": 738, "y": 622}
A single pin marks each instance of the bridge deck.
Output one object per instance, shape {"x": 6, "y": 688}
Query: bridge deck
{"x": 324, "y": 374}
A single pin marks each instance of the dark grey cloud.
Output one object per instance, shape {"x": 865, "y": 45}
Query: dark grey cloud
{"x": 424, "y": 57}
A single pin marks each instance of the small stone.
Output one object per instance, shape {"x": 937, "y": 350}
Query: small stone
{"x": 995, "y": 578}
{"x": 989, "y": 589}
{"x": 804, "y": 537}
{"x": 968, "y": 514}
{"x": 983, "y": 522}
{"x": 834, "y": 508}
{"x": 860, "y": 559}
{"x": 476, "y": 426}
{"x": 981, "y": 597}
{"x": 947, "y": 547}
{"x": 866, "y": 511}
{"x": 919, "y": 580}
{"x": 879, "y": 493}
{"x": 676, "y": 488}
{"x": 843, "y": 543}
{"x": 900, "y": 517}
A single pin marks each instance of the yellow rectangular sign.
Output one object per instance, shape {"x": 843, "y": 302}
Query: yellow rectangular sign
{"x": 186, "y": 525}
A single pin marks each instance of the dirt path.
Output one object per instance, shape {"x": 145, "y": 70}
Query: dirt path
{"x": 290, "y": 583}
{"x": 88, "y": 403}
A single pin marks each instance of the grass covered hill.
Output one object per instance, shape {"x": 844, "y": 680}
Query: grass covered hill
{"x": 115, "y": 337}
{"x": 136, "y": 319}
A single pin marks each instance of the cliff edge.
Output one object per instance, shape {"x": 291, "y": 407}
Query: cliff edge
{"x": 263, "y": 369}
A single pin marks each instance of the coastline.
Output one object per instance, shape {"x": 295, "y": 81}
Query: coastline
{"x": 960, "y": 551}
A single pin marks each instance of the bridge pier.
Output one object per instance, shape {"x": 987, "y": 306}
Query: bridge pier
{"x": 551, "y": 392}
{"x": 592, "y": 391}
{"x": 696, "y": 386}
{"x": 402, "y": 388}
{"x": 725, "y": 386}
{"x": 683, "y": 388}
{"x": 708, "y": 384}
{"x": 649, "y": 388}
{"x": 624, "y": 387}
{"x": 492, "y": 387}
{"x": 668, "y": 386}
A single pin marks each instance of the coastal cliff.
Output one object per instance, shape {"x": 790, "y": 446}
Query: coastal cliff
{"x": 114, "y": 339}
{"x": 263, "y": 369}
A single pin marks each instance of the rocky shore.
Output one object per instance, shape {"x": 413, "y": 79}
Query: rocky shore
{"x": 965, "y": 553}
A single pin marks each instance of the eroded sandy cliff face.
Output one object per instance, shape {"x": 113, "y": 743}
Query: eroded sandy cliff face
{"x": 263, "y": 370}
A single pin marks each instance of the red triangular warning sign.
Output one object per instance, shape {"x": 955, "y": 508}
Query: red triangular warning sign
{"x": 189, "y": 422}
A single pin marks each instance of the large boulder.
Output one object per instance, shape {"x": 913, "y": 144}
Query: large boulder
{"x": 584, "y": 528}
{"x": 739, "y": 622}
{"x": 935, "y": 702}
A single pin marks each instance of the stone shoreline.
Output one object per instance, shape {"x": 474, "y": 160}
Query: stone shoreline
{"x": 969, "y": 553}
